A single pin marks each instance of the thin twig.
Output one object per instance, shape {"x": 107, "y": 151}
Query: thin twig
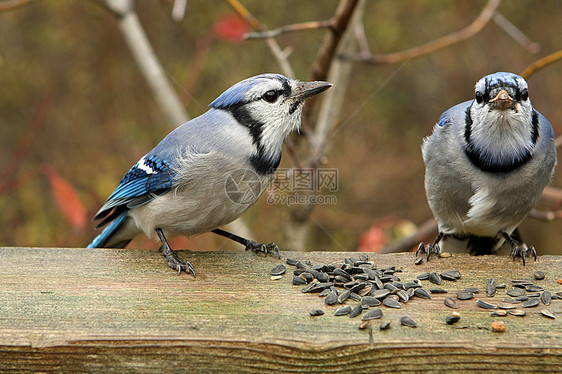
{"x": 278, "y": 53}
{"x": 435, "y": 45}
{"x": 541, "y": 63}
{"x": 312, "y": 25}
{"x": 517, "y": 35}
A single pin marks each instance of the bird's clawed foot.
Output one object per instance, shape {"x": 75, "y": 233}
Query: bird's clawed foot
{"x": 519, "y": 249}
{"x": 172, "y": 257}
{"x": 430, "y": 248}
{"x": 523, "y": 252}
{"x": 174, "y": 261}
{"x": 263, "y": 248}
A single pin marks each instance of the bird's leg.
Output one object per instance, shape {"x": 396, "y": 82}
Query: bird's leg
{"x": 250, "y": 244}
{"x": 431, "y": 248}
{"x": 518, "y": 248}
{"x": 173, "y": 260}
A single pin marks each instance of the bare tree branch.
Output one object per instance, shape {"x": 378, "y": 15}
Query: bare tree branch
{"x": 13, "y": 4}
{"x": 541, "y": 63}
{"x": 312, "y": 25}
{"x": 426, "y": 230}
{"x": 146, "y": 59}
{"x": 435, "y": 45}
{"x": 327, "y": 52}
{"x": 515, "y": 33}
{"x": 178, "y": 10}
{"x": 278, "y": 53}
{"x": 339, "y": 76}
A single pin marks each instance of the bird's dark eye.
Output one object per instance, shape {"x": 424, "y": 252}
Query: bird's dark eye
{"x": 271, "y": 96}
{"x": 524, "y": 95}
{"x": 479, "y": 97}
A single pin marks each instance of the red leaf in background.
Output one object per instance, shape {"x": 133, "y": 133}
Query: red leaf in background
{"x": 231, "y": 28}
{"x": 67, "y": 199}
{"x": 372, "y": 240}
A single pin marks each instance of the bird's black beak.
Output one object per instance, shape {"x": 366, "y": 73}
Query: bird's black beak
{"x": 307, "y": 89}
{"x": 502, "y": 100}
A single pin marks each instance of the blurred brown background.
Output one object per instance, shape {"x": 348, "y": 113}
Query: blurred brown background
{"x": 76, "y": 113}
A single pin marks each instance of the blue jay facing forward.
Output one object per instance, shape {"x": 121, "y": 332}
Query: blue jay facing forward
{"x": 487, "y": 163}
{"x": 209, "y": 171}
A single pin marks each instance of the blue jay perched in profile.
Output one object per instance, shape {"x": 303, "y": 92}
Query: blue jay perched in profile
{"x": 210, "y": 170}
{"x": 487, "y": 163}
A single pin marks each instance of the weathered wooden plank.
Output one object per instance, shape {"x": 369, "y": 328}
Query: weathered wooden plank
{"x": 120, "y": 310}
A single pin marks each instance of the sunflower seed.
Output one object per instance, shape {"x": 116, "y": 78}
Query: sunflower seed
{"x": 323, "y": 277}
{"x": 370, "y": 301}
{"x": 453, "y": 273}
{"x": 363, "y": 257}
{"x": 423, "y": 276}
{"x": 437, "y": 290}
{"x": 403, "y": 296}
{"x": 420, "y": 292}
{"x": 408, "y": 321}
{"x": 499, "y": 313}
{"x": 391, "y": 303}
{"x": 343, "y": 296}
{"x": 332, "y": 298}
{"x": 503, "y": 305}
{"x": 534, "y": 288}
{"x": 316, "y": 312}
{"x": 419, "y": 260}
{"x": 380, "y": 294}
{"x": 517, "y": 312}
{"x": 533, "y": 294}
{"x": 501, "y": 286}
{"x": 532, "y": 302}
{"x": 435, "y": 278}
{"x": 491, "y": 287}
{"x": 307, "y": 277}
{"x": 522, "y": 298}
{"x": 343, "y": 311}
{"x": 451, "y": 320}
{"x": 278, "y": 270}
{"x": 514, "y": 292}
{"x": 292, "y": 261}
{"x": 357, "y": 310}
{"x": 372, "y": 314}
{"x": 451, "y": 303}
{"x": 408, "y": 285}
{"x": 546, "y": 297}
{"x": 548, "y": 313}
{"x": 539, "y": 275}
{"x": 464, "y": 295}
{"x": 342, "y": 273}
{"x": 472, "y": 289}
{"x": 384, "y": 325}
{"x": 355, "y": 297}
{"x": 298, "y": 281}
{"x": 485, "y": 305}
{"x": 324, "y": 292}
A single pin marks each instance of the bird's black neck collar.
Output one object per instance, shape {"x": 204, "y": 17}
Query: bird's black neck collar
{"x": 478, "y": 159}
{"x": 262, "y": 162}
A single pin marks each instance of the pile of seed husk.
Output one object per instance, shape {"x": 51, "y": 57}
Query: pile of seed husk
{"x": 359, "y": 280}
{"x": 521, "y": 294}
